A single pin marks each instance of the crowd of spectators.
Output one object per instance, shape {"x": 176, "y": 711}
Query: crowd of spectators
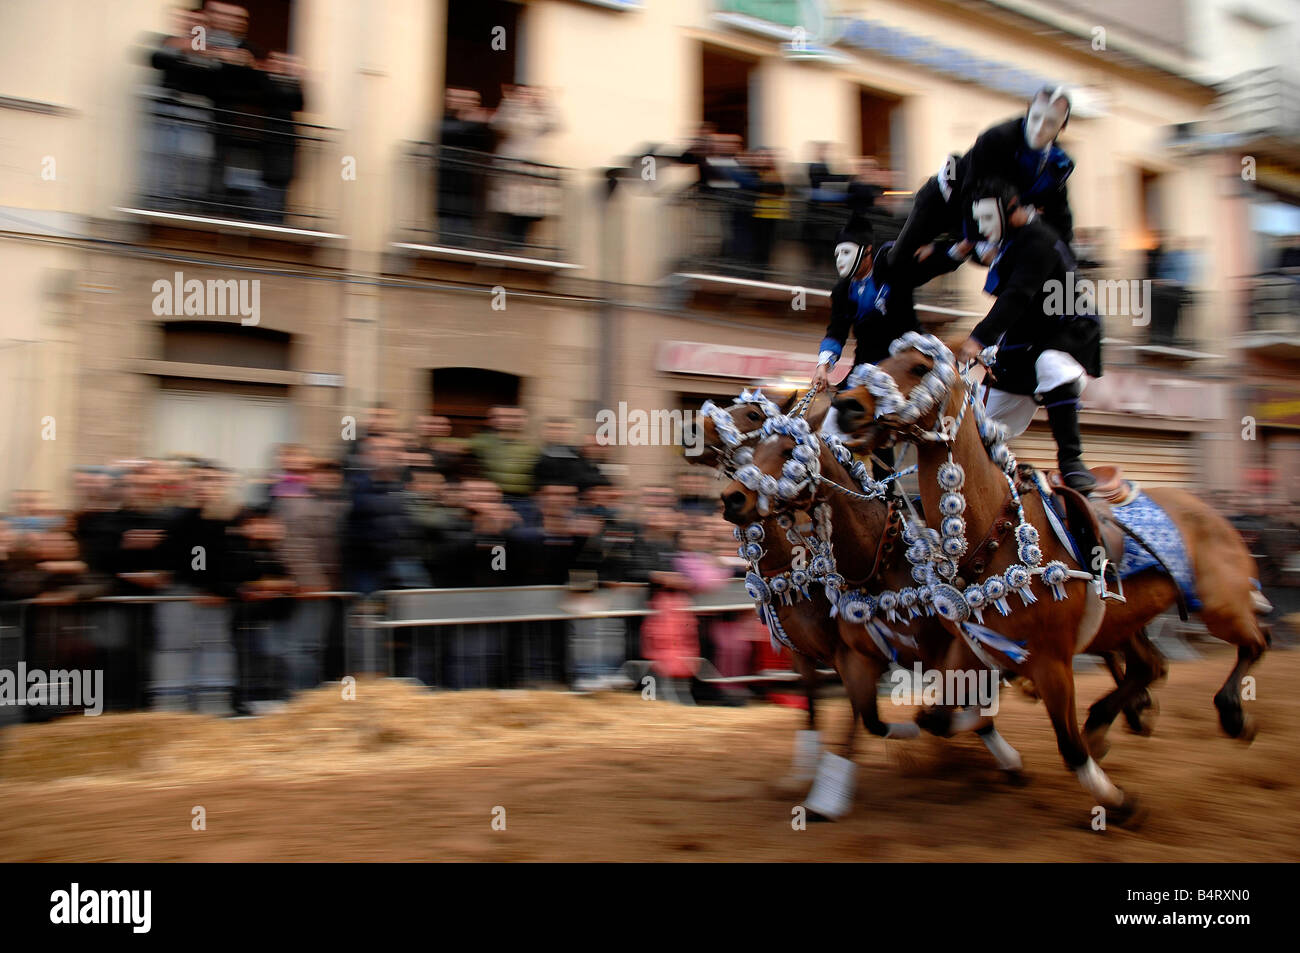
{"x": 224, "y": 137}
{"x": 755, "y": 198}
{"x": 264, "y": 562}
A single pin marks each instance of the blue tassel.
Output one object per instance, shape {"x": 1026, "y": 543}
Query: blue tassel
{"x": 1003, "y": 606}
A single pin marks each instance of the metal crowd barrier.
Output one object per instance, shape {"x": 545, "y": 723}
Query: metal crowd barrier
{"x": 183, "y": 648}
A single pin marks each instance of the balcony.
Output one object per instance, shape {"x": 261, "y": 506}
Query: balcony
{"x": 1259, "y": 106}
{"x": 223, "y": 169}
{"x": 1274, "y": 321}
{"x": 478, "y": 207}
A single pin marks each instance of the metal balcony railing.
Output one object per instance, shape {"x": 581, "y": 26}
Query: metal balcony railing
{"x": 479, "y": 201}
{"x": 1259, "y": 103}
{"x": 225, "y": 164}
{"x": 743, "y": 233}
{"x": 1275, "y": 304}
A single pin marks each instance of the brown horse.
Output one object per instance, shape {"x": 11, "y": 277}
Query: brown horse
{"x": 1223, "y": 569}
{"x": 864, "y": 538}
{"x": 1052, "y": 623}
{"x": 808, "y": 625}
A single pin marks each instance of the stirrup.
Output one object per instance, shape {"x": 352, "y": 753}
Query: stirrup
{"x": 1103, "y": 590}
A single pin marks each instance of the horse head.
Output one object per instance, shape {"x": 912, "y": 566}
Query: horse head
{"x": 904, "y": 395}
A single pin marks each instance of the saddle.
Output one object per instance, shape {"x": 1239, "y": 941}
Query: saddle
{"x": 1089, "y": 520}
{"x": 1111, "y": 486}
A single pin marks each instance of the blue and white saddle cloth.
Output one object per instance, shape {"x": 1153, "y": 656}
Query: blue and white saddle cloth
{"x": 1153, "y": 524}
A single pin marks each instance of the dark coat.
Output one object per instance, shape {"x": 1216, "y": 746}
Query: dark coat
{"x": 1021, "y": 322}
{"x": 878, "y": 319}
{"x": 1001, "y": 152}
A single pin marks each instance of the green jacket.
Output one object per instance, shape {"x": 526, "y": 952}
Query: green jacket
{"x": 505, "y": 461}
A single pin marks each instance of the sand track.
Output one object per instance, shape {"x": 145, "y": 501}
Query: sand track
{"x": 402, "y": 774}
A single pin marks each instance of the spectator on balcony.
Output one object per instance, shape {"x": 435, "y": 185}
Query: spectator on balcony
{"x": 507, "y": 459}
{"x": 236, "y": 87}
{"x": 771, "y": 207}
{"x": 281, "y": 98}
{"x": 182, "y": 138}
{"x": 867, "y": 185}
{"x": 523, "y": 193}
{"x": 464, "y": 141}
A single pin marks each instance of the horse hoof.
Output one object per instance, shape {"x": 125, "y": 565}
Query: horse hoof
{"x": 1131, "y": 814}
{"x": 1016, "y": 777}
{"x": 1142, "y": 720}
{"x": 935, "y": 721}
{"x": 815, "y": 818}
{"x": 1231, "y": 717}
{"x": 1249, "y": 726}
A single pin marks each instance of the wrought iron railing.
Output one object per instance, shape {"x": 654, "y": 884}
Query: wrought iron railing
{"x": 479, "y": 201}
{"x": 226, "y": 164}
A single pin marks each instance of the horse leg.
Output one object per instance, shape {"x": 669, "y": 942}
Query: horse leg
{"x": 831, "y": 796}
{"x": 1242, "y": 629}
{"x": 1143, "y": 666}
{"x": 946, "y": 720}
{"x": 807, "y": 742}
{"x": 1055, "y": 681}
{"x": 1140, "y": 714}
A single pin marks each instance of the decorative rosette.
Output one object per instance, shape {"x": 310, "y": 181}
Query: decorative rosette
{"x": 788, "y": 489}
{"x": 951, "y": 476}
{"x": 800, "y": 579}
{"x": 952, "y": 504}
{"x": 976, "y": 598}
{"x": 1056, "y": 575}
{"x": 753, "y": 551}
{"x": 749, "y": 476}
{"x": 921, "y": 573}
{"x": 911, "y": 532}
{"x": 925, "y": 597}
{"x": 794, "y": 470}
{"x": 842, "y": 453}
{"x": 918, "y": 554}
{"x": 780, "y": 587}
{"x": 856, "y": 607}
{"x": 949, "y": 603}
{"x": 804, "y": 453}
{"x": 743, "y": 457}
{"x": 1030, "y": 555}
{"x": 785, "y": 521}
{"x": 766, "y": 485}
{"x": 755, "y": 532}
{"x": 888, "y": 602}
{"x": 820, "y": 565}
{"x": 740, "y": 551}
{"x": 1000, "y": 453}
{"x": 833, "y": 582}
{"x": 931, "y": 537}
{"x": 954, "y": 547}
{"x": 946, "y": 568}
{"x": 1018, "y": 579}
{"x": 736, "y": 532}
{"x": 1026, "y": 534}
{"x": 756, "y": 588}
{"x": 995, "y": 592}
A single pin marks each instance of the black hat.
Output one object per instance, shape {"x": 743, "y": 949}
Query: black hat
{"x": 858, "y": 230}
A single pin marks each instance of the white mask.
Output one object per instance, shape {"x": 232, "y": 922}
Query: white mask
{"x": 846, "y": 253}
{"x": 988, "y": 217}
{"x": 1044, "y": 122}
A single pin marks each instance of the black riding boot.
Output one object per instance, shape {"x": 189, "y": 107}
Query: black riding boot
{"x": 1062, "y": 405}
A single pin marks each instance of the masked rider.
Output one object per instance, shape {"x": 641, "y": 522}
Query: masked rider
{"x": 1046, "y": 349}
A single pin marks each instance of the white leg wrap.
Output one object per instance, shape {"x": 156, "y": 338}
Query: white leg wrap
{"x": 832, "y": 791}
{"x": 807, "y": 749}
{"x": 903, "y": 730}
{"x": 1096, "y": 783}
{"x": 1007, "y": 757}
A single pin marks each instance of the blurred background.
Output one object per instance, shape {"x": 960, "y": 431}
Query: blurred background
{"x": 473, "y": 225}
